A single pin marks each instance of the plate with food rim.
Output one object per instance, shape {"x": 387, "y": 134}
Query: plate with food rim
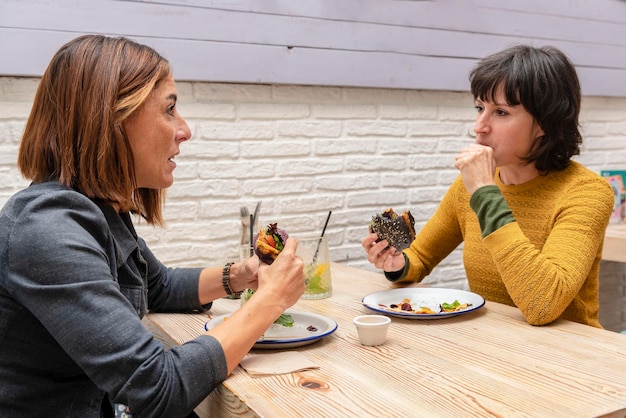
{"x": 307, "y": 328}
{"x": 389, "y": 302}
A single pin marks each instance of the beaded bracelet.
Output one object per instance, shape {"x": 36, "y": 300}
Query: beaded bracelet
{"x": 226, "y": 282}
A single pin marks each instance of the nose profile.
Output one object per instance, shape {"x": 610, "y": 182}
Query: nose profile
{"x": 482, "y": 124}
{"x": 184, "y": 133}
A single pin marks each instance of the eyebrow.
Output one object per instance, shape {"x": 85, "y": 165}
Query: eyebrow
{"x": 173, "y": 97}
{"x": 505, "y": 104}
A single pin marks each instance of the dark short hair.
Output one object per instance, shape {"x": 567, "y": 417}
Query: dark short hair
{"x": 544, "y": 81}
{"x": 74, "y": 133}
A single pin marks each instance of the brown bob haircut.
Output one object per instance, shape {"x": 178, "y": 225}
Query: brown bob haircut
{"x": 544, "y": 81}
{"x": 75, "y": 133}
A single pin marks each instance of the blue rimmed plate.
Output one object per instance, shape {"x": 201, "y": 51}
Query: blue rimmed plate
{"x": 430, "y": 297}
{"x": 307, "y": 329}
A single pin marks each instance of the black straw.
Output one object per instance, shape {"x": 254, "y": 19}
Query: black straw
{"x": 317, "y": 250}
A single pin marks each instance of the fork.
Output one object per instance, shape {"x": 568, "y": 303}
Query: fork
{"x": 245, "y": 224}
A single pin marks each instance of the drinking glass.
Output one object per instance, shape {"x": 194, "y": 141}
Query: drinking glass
{"x": 314, "y": 254}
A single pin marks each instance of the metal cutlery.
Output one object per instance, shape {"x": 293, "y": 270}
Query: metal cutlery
{"x": 255, "y": 217}
{"x": 245, "y": 225}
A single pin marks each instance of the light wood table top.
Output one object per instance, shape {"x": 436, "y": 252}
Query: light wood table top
{"x": 489, "y": 362}
{"x": 615, "y": 243}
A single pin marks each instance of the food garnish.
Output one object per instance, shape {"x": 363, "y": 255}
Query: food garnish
{"x": 285, "y": 320}
{"x": 406, "y": 307}
{"x": 269, "y": 242}
{"x": 454, "y": 306}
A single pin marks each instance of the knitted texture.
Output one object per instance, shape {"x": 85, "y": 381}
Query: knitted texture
{"x": 546, "y": 262}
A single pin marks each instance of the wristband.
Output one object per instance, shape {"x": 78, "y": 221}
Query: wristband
{"x": 226, "y": 282}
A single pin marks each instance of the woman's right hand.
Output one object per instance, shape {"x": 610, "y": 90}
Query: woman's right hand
{"x": 283, "y": 280}
{"x": 381, "y": 255}
{"x": 279, "y": 287}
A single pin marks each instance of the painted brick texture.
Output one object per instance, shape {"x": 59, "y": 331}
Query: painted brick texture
{"x": 305, "y": 150}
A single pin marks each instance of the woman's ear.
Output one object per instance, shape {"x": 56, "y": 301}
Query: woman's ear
{"x": 537, "y": 130}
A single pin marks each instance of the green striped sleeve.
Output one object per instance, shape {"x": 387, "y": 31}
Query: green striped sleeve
{"x": 395, "y": 276}
{"x": 491, "y": 209}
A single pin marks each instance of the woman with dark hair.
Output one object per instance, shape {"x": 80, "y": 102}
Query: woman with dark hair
{"x": 75, "y": 279}
{"x": 531, "y": 220}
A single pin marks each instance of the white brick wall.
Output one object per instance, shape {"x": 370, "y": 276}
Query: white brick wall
{"x": 305, "y": 150}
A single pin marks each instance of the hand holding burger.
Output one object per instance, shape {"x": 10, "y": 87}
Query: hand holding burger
{"x": 398, "y": 230}
{"x": 269, "y": 242}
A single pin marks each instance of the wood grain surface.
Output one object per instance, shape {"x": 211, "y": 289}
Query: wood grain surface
{"x": 489, "y": 362}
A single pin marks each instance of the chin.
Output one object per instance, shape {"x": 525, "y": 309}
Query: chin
{"x": 167, "y": 181}
{"x": 158, "y": 185}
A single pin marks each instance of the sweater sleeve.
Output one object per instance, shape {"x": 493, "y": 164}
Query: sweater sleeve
{"x": 546, "y": 279}
{"x": 491, "y": 209}
{"x": 438, "y": 238}
{"x": 395, "y": 276}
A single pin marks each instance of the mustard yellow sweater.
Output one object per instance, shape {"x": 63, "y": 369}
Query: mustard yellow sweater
{"x": 545, "y": 260}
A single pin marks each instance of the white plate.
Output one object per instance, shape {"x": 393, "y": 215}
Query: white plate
{"x": 278, "y": 336}
{"x": 430, "y": 297}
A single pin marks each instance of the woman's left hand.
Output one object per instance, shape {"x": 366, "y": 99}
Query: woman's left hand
{"x": 247, "y": 274}
{"x": 477, "y": 166}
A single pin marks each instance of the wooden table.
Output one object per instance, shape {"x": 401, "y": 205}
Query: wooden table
{"x": 489, "y": 362}
{"x": 615, "y": 243}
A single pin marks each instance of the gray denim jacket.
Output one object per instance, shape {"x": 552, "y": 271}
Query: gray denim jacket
{"x": 75, "y": 281}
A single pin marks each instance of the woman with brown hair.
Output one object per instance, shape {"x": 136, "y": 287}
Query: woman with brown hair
{"x": 75, "y": 279}
{"x": 531, "y": 219}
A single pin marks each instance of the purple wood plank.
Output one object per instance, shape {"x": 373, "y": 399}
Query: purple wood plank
{"x": 203, "y": 24}
{"x": 406, "y": 44}
{"x": 220, "y": 62}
